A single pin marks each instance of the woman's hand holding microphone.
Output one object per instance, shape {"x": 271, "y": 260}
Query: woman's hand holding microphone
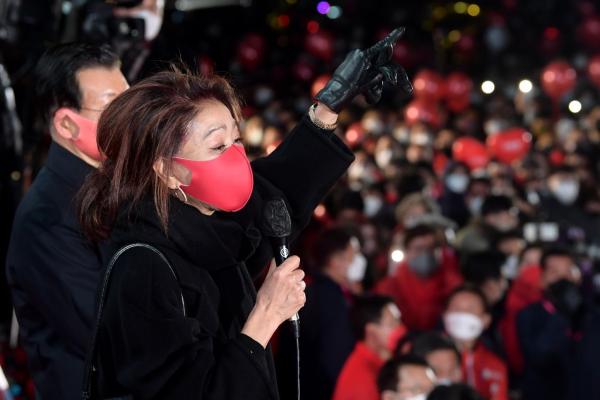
{"x": 279, "y": 298}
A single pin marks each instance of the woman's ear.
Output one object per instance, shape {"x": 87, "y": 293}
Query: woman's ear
{"x": 64, "y": 126}
{"x": 170, "y": 180}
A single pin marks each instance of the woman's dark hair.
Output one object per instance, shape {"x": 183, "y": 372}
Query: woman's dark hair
{"x": 388, "y": 377}
{"x": 143, "y": 125}
{"x": 367, "y": 309}
{"x": 56, "y": 75}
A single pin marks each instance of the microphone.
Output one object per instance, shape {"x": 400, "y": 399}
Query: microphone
{"x": 277, "y": 225}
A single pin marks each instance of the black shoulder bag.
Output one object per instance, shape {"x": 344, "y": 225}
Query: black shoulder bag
{"x": 90, "y": 371}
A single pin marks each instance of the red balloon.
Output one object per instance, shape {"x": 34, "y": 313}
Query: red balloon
{"x": 320, "y": 45}
{"x": 471, "y": 152}
{"x": 428, "y": 85}
{"x": 558, "y": 78}
{"x": 593, "y": 70}
{"x": 510, "y": 145}
{"x": 251, "y": 51}
{"x": 420, "y": 110}
{"x": 458, "y": 91}
{"x": 589, "y": 32}
{"x": 319, "y": 84}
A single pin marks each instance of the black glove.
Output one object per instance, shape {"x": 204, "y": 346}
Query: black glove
{"x": 366, "y": 72}
{"x": 566, "y": 297}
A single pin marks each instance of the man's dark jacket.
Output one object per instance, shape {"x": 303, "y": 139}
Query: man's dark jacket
{"x": 561, "y": 356}
{"x": 53, "y": 273}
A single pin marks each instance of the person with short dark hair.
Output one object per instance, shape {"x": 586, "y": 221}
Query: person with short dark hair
{"x": 455, "y": 391}
{"x": 484, "y": 270}
{"x": 407, "y": 377}
{"x": 327, "y": 337}
{"x": 377, "y": 326}
{"x": 565, "y": 201}
{"x": 441, "y": 354}
{"x": 422, "y": 281}
{"x": 467, "y": 316}
{"x": 52, "y": 270}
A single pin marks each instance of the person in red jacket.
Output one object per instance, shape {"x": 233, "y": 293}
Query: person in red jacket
{"x": 423, "y": 281}
{"x": 376, "y": 321}
{"x": 466, "y": 317}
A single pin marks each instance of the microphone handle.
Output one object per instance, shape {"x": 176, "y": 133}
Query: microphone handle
{"x": 281, "y": 254}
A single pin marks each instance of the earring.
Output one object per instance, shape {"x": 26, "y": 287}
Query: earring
{"x": 180, "y": 190}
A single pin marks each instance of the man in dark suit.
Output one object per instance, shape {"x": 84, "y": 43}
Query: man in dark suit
{"x": 558, "y": 335}
{"x": 52, "y": 270}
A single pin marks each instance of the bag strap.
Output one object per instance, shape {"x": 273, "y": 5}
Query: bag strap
{"x": 90, "y": 367}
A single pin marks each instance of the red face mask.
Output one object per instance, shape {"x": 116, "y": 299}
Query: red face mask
{"x": 86, "y": 137}
{"x": 225, "y": 182}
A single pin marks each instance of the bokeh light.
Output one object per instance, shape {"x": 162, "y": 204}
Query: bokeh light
{"x": 334, "y": 12}
{"x": 473, "y": 10}
{"x": 397, "y": 255}
{"x": 312, "y": 27}
{"x": 323, "y": 7}
{"x": 488, "y": 87}
{"x": 460, "y": 7}
{"x": 575, "y": 106}
{"x": 525, "y": 86}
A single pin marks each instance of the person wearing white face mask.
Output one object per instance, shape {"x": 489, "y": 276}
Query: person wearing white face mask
{"x": 407, "y": 377}
{"x": 326, "y": 338}
{"x": 465, "y": 319}
{"x": 564, "y": 202}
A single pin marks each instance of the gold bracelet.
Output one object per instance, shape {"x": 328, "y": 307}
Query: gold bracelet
{"x": 317, "y": 122}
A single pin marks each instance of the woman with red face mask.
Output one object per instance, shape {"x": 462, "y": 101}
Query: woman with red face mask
{"x": 180, "y": 209}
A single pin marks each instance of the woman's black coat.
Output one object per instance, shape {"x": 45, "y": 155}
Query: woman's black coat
{"x": 146, "y": 346}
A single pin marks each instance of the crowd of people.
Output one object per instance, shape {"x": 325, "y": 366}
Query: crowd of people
{"x": 449, "y": 274}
